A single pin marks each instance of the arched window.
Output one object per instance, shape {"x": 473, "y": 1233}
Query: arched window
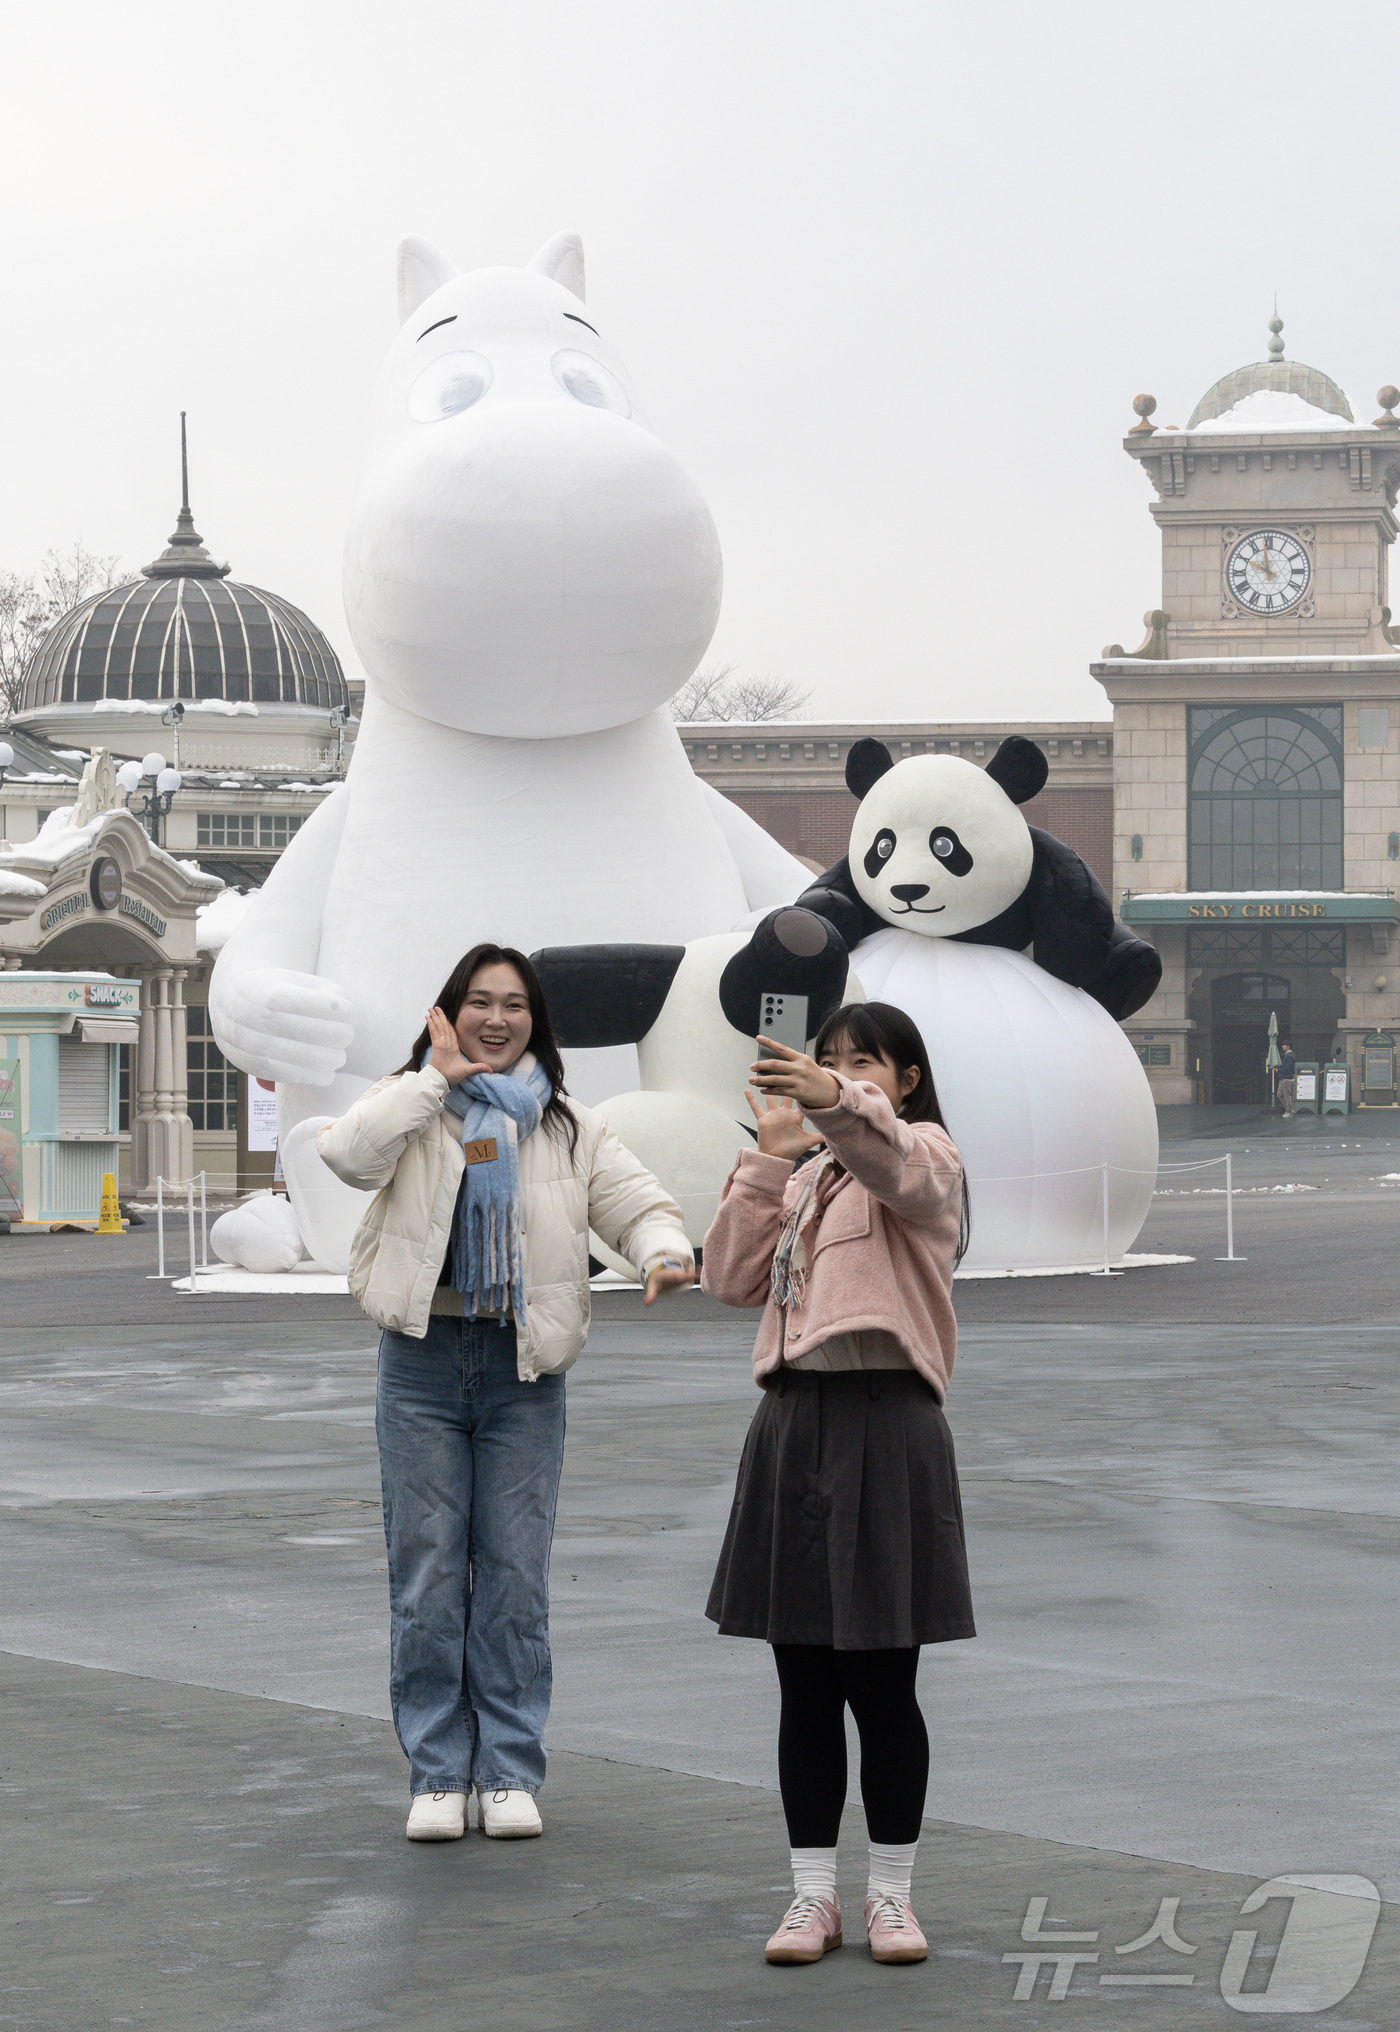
{"x": 1266, "y": 797}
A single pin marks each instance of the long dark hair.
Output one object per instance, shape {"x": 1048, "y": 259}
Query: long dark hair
{"x": 558, "y": 1117}
{"x": 883, "y": 1031}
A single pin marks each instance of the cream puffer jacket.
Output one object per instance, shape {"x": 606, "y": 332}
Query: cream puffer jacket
{"x": 398, "y": 1142}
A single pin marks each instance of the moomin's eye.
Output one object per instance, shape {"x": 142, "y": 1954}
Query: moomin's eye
{"x": 453, "y": 382}
{"x": 590, "y": 382}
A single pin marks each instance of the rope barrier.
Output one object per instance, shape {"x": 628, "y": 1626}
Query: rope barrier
{"x": 1131, "y": 1171}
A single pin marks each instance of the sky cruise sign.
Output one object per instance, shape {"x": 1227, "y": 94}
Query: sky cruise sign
{"x": 1253, "y": 907}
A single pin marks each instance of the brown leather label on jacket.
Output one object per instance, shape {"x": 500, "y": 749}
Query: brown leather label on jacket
{"x": 483, "y": 1152}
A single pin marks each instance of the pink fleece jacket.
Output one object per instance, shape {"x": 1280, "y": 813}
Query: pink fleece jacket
{"x": 884, "y": 1241}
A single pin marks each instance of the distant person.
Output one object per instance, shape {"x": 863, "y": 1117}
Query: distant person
{"x": 845, "y": 1542}
{"x": 473, "y": 1259}
{"x": 1287, "y": 1066}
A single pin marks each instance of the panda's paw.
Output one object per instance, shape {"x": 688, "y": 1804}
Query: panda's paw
{"x": 1129, "y": 977}
{"x": 792, "y": 952}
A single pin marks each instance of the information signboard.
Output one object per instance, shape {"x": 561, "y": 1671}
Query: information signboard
{"x": 262, "y": 1115}
{"x": 11, "y": 1179}
{"x": 1378, "y": 1070}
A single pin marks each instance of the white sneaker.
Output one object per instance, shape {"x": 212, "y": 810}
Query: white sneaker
{"x": 508, "y": 1816}
{"x": 438, "y": 1816}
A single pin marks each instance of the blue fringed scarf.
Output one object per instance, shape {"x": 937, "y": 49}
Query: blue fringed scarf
{"x": 488, "y": 1259}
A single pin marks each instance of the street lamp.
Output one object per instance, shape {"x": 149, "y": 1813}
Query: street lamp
{"x": 171, "y": 717}
{"x": 339, "y": 718}
{"x": 158, "y": 800}
{"x": 7, "y": 756}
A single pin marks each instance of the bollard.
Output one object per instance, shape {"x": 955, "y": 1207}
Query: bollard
{"x": 203, "y": 1222}
{"x": 189, "y": 1202}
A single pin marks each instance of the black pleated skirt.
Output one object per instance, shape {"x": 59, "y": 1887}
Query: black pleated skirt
{"x": 847, "y": 1524}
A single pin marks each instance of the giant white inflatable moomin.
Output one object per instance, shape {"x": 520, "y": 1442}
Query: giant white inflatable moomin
{"x": 529, "y": 575}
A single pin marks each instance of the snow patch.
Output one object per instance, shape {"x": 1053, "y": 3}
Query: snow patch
{"x": 1272, "y": 409}
{"x": 19, "y": 885}
{"x": 230, "y": 708}
{"x": 216, "y": 922}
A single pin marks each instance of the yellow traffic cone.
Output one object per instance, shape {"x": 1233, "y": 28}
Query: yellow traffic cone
{"x": 111, "y": 1220}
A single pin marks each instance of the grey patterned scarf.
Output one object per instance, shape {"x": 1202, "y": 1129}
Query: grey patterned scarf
{"x": 788, "y": 1279}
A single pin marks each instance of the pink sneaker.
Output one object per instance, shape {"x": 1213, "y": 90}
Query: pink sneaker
{"x": 893, "y": 1930}
{"x": 810, "y": 1926}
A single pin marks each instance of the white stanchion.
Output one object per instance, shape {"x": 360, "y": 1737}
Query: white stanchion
{"x": 203, "y": 1221}
{"x": 189, "y": 1207}
{"x": 159, "y": 1277}
{"x": 1230, "y": 1256}
{"x": 1108, "y": 1269}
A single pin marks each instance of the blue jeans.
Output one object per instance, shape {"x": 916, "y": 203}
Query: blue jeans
{"x": 470, "y": 1459}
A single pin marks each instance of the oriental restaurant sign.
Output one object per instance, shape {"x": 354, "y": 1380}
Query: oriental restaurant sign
{"x": 1260, "y": 909}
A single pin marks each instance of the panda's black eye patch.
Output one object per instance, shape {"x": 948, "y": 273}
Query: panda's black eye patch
{"x": 879, "y": 851}
{"x": 949, "y": 851}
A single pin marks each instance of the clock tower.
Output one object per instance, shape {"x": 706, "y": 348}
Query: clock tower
{"x": 1257, "y": 733}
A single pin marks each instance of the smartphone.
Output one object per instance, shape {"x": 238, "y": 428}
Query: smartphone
{"x": 784, "y": 1017}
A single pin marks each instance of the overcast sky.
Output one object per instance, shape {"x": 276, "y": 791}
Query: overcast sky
{"x": 887, "y": 278}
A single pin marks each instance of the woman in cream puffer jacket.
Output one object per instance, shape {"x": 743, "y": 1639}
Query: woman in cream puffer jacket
{"x": 469, "y": 1409}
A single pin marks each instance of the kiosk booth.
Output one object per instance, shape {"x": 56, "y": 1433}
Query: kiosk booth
{"x": 60, "y": 1035}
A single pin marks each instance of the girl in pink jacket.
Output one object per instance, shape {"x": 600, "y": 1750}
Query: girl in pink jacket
{"x": 845, "y": 1545}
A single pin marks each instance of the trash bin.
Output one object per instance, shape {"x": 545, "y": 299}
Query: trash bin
{"x": 1336, "y": 1088}
{"x": 1305, "y": 1088}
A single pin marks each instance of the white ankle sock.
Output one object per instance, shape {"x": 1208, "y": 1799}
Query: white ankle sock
{"x": 891, "y": 1866}
{"x": 814, "y": 1873}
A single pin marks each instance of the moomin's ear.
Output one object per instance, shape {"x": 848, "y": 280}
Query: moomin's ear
{"x": 561, "y": 259}
{"x": 1019, "y": 767}
{"x": 422, "y": 269}
{"x": 866, "y": 763}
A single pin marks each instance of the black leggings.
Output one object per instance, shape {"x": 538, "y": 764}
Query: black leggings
{"x": 817, "y": 1684}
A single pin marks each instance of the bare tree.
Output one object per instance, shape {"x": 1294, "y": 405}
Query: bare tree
{"x": 720, "y": 692}
{"x": 30, "y": 603}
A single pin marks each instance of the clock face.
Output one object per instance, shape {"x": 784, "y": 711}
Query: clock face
{"x": 1268, "y": 571}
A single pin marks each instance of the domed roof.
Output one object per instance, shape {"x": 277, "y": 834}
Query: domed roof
{"x": 185, "y": 630}
{"x": 1280, "y": 376}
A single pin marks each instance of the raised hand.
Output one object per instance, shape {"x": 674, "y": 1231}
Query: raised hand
{"x": 780, "y": 1130}
{"x": 279, "y": 1024}
{"x": 446, "y": 1055}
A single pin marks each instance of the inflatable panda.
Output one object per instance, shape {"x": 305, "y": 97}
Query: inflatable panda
{"x": 944, "y": 887}
{"x": 942, "y": 891}
{"x": 939, "y": 848}
{"x": 692, "y": 1011}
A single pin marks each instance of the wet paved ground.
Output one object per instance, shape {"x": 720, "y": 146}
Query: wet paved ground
{"x": 1184, "y": 1525}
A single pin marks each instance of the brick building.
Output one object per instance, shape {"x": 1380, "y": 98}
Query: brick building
{"x": 791, "y": 778}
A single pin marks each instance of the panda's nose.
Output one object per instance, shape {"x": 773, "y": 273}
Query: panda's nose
{"x": 909, "y": 892}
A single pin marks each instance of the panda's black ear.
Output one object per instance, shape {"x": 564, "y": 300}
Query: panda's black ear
{"x": 865, "y": 765}
{"x": 1019, "y": 767}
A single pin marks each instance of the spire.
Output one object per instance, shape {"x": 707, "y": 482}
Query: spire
{"x": 184, "y": 557}
{"x": 1276, "y": 327}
